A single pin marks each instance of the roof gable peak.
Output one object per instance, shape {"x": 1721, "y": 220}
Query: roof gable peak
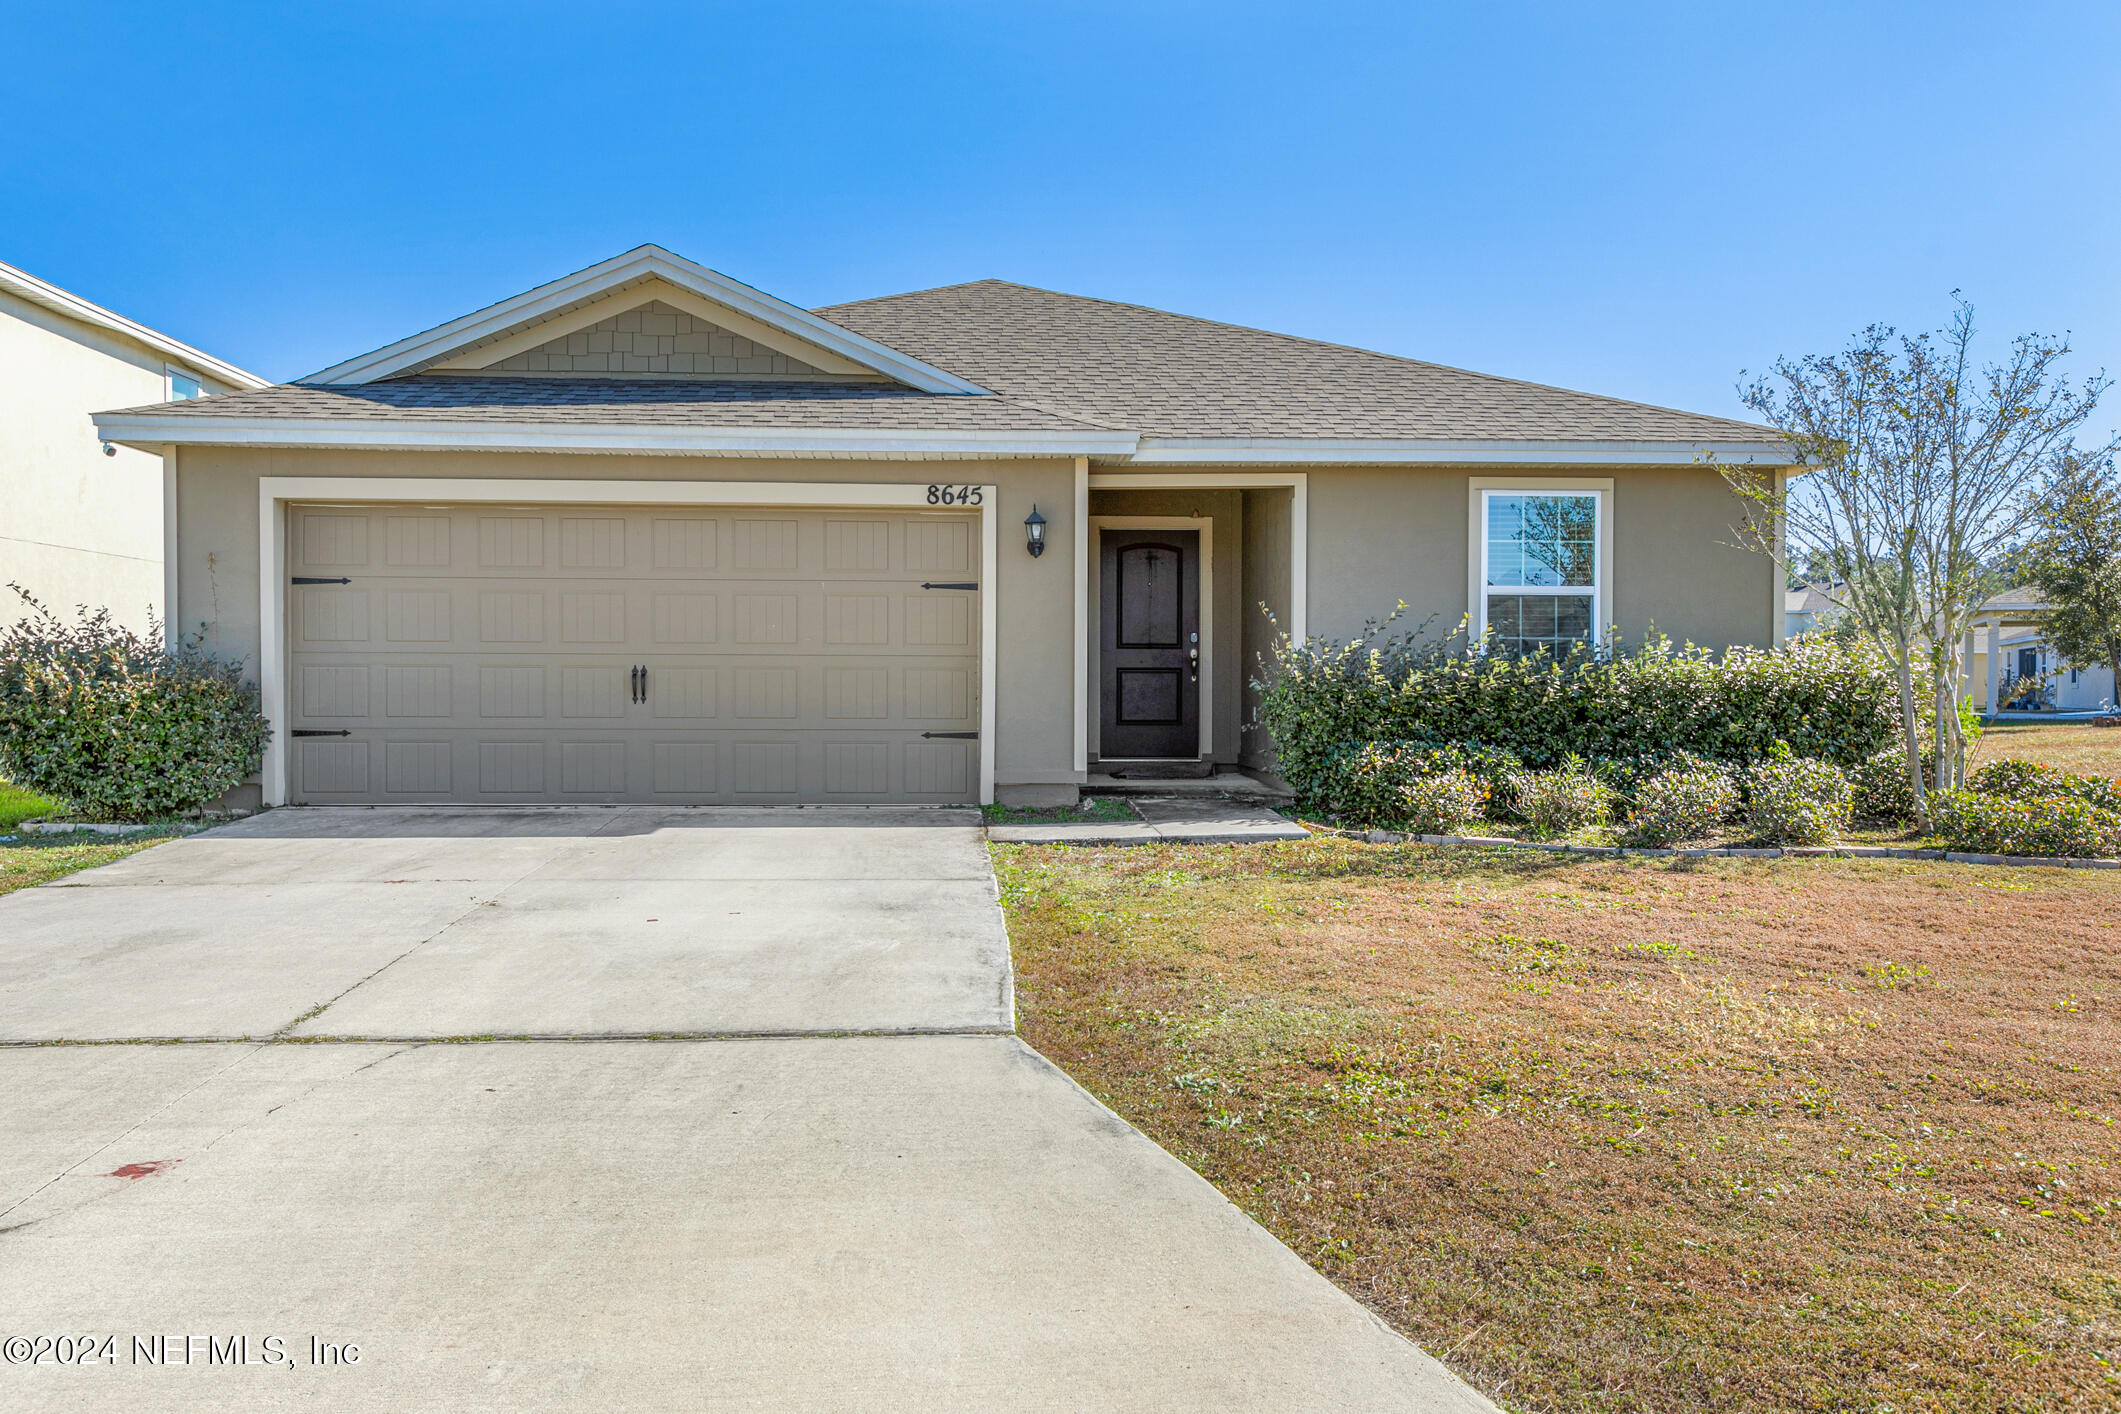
{"x": 623, "y": 283}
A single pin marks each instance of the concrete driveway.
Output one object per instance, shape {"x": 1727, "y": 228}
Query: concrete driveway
{"x": 744, "y": 1208}
{"x": 569, "y": 922}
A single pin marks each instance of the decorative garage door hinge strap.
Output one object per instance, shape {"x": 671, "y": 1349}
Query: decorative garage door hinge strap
{"x": 948, "y": 584}
{"x": 953, "y": 736}
{"x": 302, "y": 731}
{"x": 314, "y": 579}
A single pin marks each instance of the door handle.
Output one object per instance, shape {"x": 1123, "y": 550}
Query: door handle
{"x": 633, "y": 685}
{"x": 1193, "y": 664}
{"x": 644, "y": 682}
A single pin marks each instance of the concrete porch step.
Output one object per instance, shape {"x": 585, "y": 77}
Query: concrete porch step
{"x": 1230, "y": 785}
{"x": 1189, "y": 820}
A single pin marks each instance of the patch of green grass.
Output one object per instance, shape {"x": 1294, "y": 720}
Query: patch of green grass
{"x": 41, "y": 859}
{"x": 1103, "y": 810}
{"x": 17, "y": 805}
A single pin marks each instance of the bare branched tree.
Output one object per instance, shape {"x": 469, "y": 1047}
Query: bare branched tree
{"x": 1921, "y": 468}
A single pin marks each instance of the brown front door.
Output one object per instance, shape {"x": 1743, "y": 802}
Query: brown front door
{"x": 1149, "y": 654}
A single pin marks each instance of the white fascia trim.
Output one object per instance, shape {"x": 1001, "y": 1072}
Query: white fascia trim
{"x": 1300, "y": 451}
{"x": 275, "y": 492}
{"x": 640, "y": 263}
{"x": 132, "y": 429}
{"x": 42, "y": 292}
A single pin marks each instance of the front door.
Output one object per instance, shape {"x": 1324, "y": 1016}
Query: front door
{"x": 1149, "y": 652}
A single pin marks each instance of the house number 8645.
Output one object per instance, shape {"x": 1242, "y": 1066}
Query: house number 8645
{"x": 956, "y": 495}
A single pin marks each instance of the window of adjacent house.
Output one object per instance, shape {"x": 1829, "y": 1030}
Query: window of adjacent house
{"x": 182, "y": 386}
{"x": 1540, "y": 573}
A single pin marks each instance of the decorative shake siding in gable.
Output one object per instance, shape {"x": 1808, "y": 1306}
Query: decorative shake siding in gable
{"x": 655, "y": 339}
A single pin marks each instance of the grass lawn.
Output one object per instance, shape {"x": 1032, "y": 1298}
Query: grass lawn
{"x": 17, "y": 805}
{"x": 2074, "y": 746}
{"x": 1625, "y": 1134}
{"x": 37, "y": 861}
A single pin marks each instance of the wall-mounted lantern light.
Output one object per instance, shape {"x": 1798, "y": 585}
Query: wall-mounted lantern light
{"x": 1035, "y": 533}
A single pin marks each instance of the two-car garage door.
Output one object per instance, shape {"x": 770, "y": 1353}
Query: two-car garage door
{"x": 678, "y": 655}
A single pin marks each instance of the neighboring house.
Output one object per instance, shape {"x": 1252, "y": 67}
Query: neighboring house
{"x": 1809, "y": 607}
{"x": 2006, "y": 637}
{"x": 78, "y": 526}
{"x": 648, "y": 534}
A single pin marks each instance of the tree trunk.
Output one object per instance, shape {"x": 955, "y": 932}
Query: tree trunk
{"x": 1910, "y": 734}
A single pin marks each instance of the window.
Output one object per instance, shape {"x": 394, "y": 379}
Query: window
{"x": 183, "y": 386}
{"x": 1541, "y": 577}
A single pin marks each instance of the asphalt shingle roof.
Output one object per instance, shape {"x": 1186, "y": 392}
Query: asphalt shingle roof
{"x": 1171, "y": 375}
{"x": 448, "y": 397}
{"x": 1056, "y": 363}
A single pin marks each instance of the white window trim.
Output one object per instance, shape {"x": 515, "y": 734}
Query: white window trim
{"x": 275, "y": 492}
{"x": 1477, "y": 588}
{"x": 171, "y": 373}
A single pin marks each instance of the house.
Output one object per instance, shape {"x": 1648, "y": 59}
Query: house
{"x": 1808, "y": 607}
{"x": 646, "y": 533}
{"x": 82, "y": 523}
{"x": 2008, "y": 657}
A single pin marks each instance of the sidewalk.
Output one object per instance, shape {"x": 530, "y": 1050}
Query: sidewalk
{"x": 1164, "y": 820}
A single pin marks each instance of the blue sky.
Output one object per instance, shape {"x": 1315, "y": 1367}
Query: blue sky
{"x": 1639, "y": 200}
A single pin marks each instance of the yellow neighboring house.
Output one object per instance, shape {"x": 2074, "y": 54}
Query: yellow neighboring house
{"x": 82, "y": 522}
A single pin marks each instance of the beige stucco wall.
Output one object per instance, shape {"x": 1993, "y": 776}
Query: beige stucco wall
{"x": 1267, "y": 515}
{"x": 76, "y": 526}
{"x": 217, "y": 571}
{"x": 1376, "y": 536}
{"x": 1382, "y": 535}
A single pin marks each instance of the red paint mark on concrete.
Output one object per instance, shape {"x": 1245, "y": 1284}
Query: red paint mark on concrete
{"x": 143, "y": 1170}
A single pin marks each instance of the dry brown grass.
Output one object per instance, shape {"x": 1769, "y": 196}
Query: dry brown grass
{"x": 1623, "y": 1134}
{"x": 2074, "y": 746}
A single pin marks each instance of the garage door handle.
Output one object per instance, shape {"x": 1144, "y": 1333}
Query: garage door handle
{"x": 633, "y": 685}
{"x": 312, "y": 579}
{"x": 302, "y": 732}
{"x": 948, "y": 584}
{"x": 951, "y": 736}
{"x": 644, "y": 683}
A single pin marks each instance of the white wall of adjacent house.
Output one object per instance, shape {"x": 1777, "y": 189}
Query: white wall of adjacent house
{"x": 77, "y": 526}
{"x": 2072, "y": 689}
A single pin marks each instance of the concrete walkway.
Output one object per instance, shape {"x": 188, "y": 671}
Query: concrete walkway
{"x": 931, "y": 1220}
{"x": 1163, "y": 820}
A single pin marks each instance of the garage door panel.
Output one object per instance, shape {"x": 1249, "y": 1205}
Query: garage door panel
{"x": 483, "y": 654}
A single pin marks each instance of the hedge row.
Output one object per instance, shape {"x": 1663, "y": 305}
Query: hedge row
{"x": 1633, "y": 711}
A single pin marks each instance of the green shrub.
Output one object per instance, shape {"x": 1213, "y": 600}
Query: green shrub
{"x": 1826, "y": 699}
{"x": 2053, "y": 826}
{"x": 1884, "y": 791}
{"x": 115, "y": 724}
{"x": 2027, "y": 780}
{"x": 1558, "y": 802}
{"x": 1793, "y": 800}
{"x": 1446, "y": 803}
{"x": 1367, "y": 784}
{"x": 1687, "y": 802}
